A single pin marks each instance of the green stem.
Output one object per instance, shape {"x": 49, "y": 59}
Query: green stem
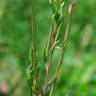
{"x": 50, "y": 57}
{"x": 66, "y": 35}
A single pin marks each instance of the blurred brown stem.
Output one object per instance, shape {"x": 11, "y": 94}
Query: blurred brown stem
{"x": 48, "y": 64}
{"x": 66, "y": 35}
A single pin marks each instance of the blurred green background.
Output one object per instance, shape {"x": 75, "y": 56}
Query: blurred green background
{"x": 78, "y": 72}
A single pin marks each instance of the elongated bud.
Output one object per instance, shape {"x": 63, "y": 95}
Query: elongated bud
{"x": 72, "y": 6}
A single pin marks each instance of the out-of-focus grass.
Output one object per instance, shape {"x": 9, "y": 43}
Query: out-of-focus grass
{"x": 78, "y": 73}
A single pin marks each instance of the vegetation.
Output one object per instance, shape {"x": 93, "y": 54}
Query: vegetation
{"x": 33, "y": 64}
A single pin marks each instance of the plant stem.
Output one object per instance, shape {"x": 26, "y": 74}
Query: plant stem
{"x": 67, "y": 32}
{"x": 33, "y": 63}
{"x": 66, "y": 35}
{"x": 50, "y": 57}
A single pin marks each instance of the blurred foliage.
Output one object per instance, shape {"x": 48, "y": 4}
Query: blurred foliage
{"x": 78, "y": 73}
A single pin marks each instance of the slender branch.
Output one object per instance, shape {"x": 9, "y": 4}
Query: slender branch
{"x": 34, "y": 51}
{"x": 52, "y": 89}
{"x": 55, "y": 42}
{"x": 64, "y": 41}
{"x": 50, "y": 39}
{"x": 67, "y": 32}
{"x": 34, "y": 61}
